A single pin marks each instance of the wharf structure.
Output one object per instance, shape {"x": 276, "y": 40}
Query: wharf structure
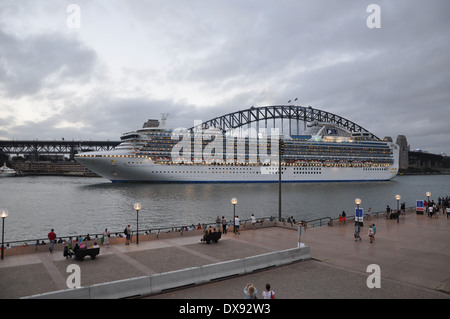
{"x": 33, "y": 157}
{"x": 413, "y": 257}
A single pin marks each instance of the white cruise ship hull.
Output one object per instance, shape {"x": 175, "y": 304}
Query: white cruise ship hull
{"x": 145, "y": 170}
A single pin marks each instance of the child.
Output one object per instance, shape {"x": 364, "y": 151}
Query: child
{"x": 371, "y": 233}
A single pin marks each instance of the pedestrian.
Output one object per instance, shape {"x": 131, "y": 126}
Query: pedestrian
{"x": 369, "y": 213}
{"x": 370, "y": 233}
{"x": 127, "y": 232}
{"x": 344, "y": 217}
{"x": 236, "y": 225}
{"x": 340, "y": 219}
{"x": 106, "y": 235}
{"x": 250, "y": 292}
{"x": 75, "y": 249}
{"x": 52, "y": 237}
{"x": 268, "y": 294}
{"x": 224, "y": 225}
{"x": 68, "y": 252}
{"x": 218, "y": 223}
{"x": 357, "y": 231}
{"x": 253, "y": 222}
{"x": 430, "y": 211}
{"x": 448, "y": 211}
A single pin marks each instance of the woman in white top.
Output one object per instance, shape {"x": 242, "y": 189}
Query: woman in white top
{"x": 268, "y": 294}
{"x": 106, "y": 235}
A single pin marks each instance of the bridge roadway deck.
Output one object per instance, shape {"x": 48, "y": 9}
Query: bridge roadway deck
{"x": 413, "y": 255}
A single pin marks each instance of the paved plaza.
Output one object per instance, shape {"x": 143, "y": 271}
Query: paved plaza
{"x": 413, "y": 258}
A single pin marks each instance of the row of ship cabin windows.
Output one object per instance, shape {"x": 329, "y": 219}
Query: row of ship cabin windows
{"x": 229, "y": 172}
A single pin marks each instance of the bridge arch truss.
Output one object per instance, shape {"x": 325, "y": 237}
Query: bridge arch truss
{"x": 242, "y": 118}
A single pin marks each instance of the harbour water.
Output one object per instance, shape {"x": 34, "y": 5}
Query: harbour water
{"x": 79, "y": 205}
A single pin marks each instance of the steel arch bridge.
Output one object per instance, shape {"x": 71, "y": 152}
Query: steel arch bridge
{"x": 291, "y": 112}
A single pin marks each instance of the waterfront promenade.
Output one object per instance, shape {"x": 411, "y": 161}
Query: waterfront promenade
{"x": 413, "y": 255}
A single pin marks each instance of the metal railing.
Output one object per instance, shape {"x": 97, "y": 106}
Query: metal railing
{"x": 261, "y": 221}
{"x": 145, "y": 231}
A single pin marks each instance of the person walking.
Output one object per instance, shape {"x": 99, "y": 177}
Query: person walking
{"x": 224, "y": 225}
{"x": 370, "y": 233}
{"x": 369, "y": 213}
{"x": 250, "y": 291}
{"x": 344, "y": 217}
{"x": 430, "y": 211}
{"x": 253, "y": 222}
{"x": 106, "y": 235}
{"x": 374, "y": 231}
{"x": 218, "y": 223}
{"x": 268, "y": 294}
{"x": 236, "y": 225}
{"x": 357, "y": 231}
{"x": 127, "y": 232}
{"x": 52, "y": 237}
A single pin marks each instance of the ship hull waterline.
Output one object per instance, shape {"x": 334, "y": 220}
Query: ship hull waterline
{"x": 145, "y": 171}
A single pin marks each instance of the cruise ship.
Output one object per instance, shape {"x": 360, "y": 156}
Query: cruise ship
{"x": 324, "y": 152}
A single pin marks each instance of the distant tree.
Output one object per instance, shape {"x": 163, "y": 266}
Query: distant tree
{"x": 446, "y": 162}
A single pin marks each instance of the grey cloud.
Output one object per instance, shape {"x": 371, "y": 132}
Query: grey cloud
{"x": 30, "y": 63}
{"x": 392, "y": 80}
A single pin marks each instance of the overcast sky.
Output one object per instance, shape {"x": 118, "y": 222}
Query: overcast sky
{"x": 103, "y": 67}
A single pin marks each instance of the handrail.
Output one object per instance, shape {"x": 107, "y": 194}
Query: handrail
{"x": 318, "y": 222}
{"x": 157, "y": 231}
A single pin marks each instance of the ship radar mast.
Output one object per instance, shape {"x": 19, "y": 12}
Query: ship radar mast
{"x": 164, "y": 117}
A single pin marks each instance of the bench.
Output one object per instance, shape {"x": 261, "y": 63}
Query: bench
{"x": 394, "y": 215}
{"x": 214, "y": 236}
{"x": 81, "y": 253}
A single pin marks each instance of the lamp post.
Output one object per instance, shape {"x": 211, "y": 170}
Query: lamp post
{"x": 3, "y": 215}
{"x": 428, "y": 195}
{"x": 234, "y": 201}
{"x": 357, "y": 202}
{"x": 280, "y": 153}
{"x": 137, "y": 208}
{"x": 398, "y": 197}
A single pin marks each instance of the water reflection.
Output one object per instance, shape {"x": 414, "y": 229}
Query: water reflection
{"x": 88, "y": 205}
